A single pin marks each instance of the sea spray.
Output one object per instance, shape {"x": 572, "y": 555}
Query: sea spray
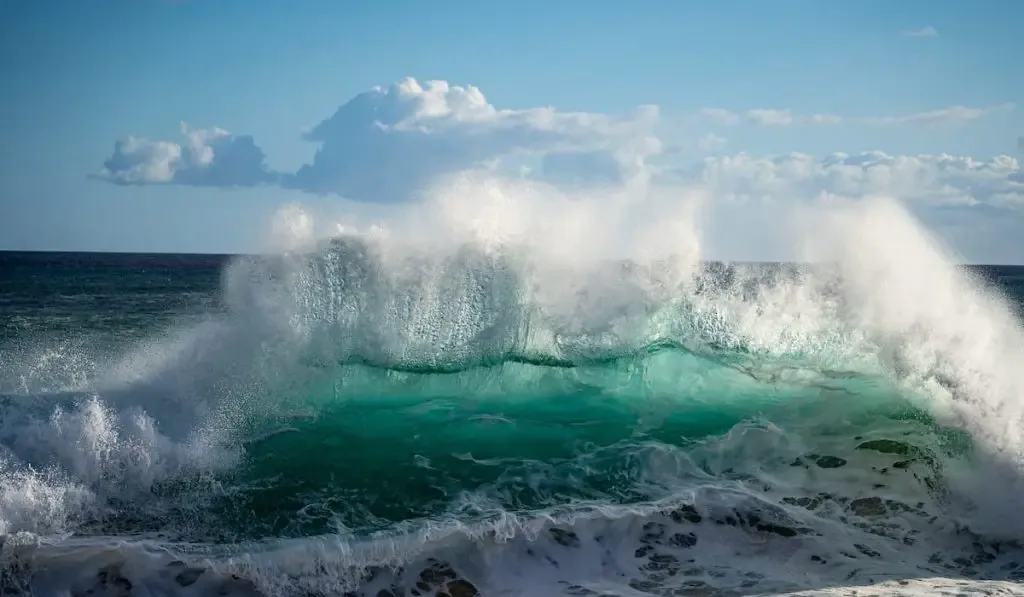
{"x": 506, "y": 389}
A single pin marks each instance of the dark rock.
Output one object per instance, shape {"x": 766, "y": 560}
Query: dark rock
{"x": 110, "y": 578}
{"x": 663, "y": 563}
{"x": 871, "y": 506}
{"x": 778, "y": 529}
{"x": 830, "y": 462}
{"x": 686, "y": 513}
{"x": 563, "y": 537}
{"x": 460, "y": 588}
{"x": 652, "y": 532}
{"x": 889, "y": 446}
{"x": 189, "y": 576}
{"x": 435, "y": 575}
{"x": 644, "y": 586}
{"x": 683, "y": 540}
{"x": 803, "y": 502}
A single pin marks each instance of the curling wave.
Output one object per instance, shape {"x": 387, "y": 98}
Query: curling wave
{"x": 479, "y": 395}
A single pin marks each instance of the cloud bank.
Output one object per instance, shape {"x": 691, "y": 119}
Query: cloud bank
{"x": 387, "y": 144}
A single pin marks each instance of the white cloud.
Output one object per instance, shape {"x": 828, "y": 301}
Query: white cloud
{"x": 927, "y": 180}
{"x": 720, "y": 116}
{"x": 208, "y": 157}
{"x": 386, "y": 144}
{"x": 764, "y": 117}
{"x": 711, "y": 142}
{"x": 928, "y": 31}
{"x": 767, "y": 117}
{"x": 945, "y": 116}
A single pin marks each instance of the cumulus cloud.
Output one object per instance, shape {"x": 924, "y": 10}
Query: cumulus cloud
{"x": 385, "y": 144}
{"x": 927, "y": 180}
{"x": 928, "y": 31}
{"x": 208, "y": 157}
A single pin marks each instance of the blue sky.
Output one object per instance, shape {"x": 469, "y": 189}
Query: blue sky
{"x": 924, "y": 99}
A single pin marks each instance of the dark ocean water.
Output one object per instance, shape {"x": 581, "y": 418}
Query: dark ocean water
{"x": 340, "y": 421}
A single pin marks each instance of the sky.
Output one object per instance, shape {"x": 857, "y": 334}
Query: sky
{"x": 183, "y": 126}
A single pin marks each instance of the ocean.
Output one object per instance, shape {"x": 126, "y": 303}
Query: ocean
{"x": 355, "y": 418}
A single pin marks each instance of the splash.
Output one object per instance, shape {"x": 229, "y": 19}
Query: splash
{"x": 585, "y": 329}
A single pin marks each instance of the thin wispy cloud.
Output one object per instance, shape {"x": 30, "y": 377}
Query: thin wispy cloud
{"x": 928, "y": 31}
{"x": 952, "y": 115}
{"x": 773, "y": 117}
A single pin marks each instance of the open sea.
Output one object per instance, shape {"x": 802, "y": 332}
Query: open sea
{"x": 355, "y": 419}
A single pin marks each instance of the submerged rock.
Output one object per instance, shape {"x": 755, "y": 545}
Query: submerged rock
{"x": 890, "y": 446}
{"x": 870, "y": 506}
{"x": 830, "y": 461}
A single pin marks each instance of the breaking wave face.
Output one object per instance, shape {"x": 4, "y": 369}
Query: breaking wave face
{"x": 504, "y": 390}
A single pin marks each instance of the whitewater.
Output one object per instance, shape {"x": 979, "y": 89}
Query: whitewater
{"x": 505, "y": 389}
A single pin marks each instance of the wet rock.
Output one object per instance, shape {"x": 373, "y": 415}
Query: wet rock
{"x": 890, "y": 446}
{"x": 652, "y": 532}
{"x": 189, "y": 576}
{"x": 830, "y": 461}
{"x": 110, "y": 580}
{"x": 663, "y": 563}
{"x": 564, "y": 537}
{"x": 435, "y": 575}
{"x": 867, "y": 551}
{"x": 683, "y": 540}
{"x": 686, "y": 513}
{"x": 870, "y": 506}
{"x": 778, "y": 529}
{"x": 803, "y": 502}
{"x": 643, "y": 551}
{"x": 459, "y": 588}
{"x": 645, "y": 586}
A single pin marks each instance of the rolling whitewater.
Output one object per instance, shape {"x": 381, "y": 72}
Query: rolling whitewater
{"x": 490, "y": 402}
